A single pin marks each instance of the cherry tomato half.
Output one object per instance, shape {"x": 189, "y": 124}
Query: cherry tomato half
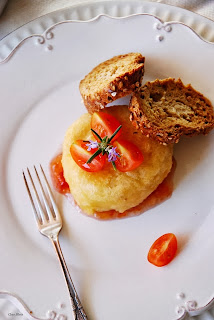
{"x": 80, "y": 154}
{"x": 105, "y": 125}
{"x": 163, "y": 250}
{"x": 130, "y": 155}
{"x": 57, "y": 175}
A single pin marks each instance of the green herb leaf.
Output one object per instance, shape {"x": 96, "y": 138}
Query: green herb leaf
{"x": 114, "y": 165}
{"x": 94, "y": 155}
{"x": 114, "y": 134}
{"x": 98, "y": 136}
{"x": 104, "y": 145}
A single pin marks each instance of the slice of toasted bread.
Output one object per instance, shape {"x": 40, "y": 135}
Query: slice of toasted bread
{"x": 167, "y": 109}
{"x": 112, "y": 79}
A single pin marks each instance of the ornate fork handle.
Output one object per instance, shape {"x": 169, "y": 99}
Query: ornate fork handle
{"x": 78, "y": 311}
{"x": 49, "y": 223}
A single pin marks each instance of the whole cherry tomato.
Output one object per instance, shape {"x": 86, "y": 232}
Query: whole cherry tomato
{"x": 80, "y": 154}
{"x": 163, "y": 250}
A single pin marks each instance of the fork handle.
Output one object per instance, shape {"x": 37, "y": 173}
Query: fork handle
{"x": 78, "y": 311}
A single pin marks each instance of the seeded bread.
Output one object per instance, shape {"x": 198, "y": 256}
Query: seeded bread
{"x": 167, "y": 109}
{"x": 112, "y": 79}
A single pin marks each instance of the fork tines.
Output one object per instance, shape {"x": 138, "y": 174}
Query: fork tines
{"x": 43, "y": 203}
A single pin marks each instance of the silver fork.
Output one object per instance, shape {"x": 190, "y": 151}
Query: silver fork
{"x": 49, "y": 224}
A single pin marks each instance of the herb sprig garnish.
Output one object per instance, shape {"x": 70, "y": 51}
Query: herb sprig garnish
{"x": 104, "y": 147}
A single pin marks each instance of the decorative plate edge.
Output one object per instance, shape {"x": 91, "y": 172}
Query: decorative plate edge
{"x": 19, "y": 304}
{"x": 48, "y": 34}
{"x": 25, "y": 311}
{"x": 187, "y": 309}
{"x": 190, "y": 309}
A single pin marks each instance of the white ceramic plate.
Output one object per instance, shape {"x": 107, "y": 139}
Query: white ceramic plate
{"x": 39, "y": 100}
{"x": 89, "y": 10}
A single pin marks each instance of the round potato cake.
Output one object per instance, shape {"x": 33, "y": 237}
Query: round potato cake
{"x": 109, "y": 189}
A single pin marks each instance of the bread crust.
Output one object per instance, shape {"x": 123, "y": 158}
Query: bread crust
{"x": 200, "y": 122}
{"x": 124, "y": 83}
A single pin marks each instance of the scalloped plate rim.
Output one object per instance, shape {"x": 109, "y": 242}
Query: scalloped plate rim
{"x": 43, "y": 36}
{"x": 87, "y": 3}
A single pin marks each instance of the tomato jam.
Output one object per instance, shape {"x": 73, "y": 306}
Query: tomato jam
{"x": 57, "y": 175}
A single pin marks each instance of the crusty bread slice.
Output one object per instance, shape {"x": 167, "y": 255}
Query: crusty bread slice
{"x": 167, "y": 109}
{"x": 112, "y": 79}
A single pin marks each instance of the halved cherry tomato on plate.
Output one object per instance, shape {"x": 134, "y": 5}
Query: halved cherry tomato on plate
{"x": 105, "y": 125}
{"x": 163, "y": 250}
{"x": 57, "y": 175}
{"x": 130, "y": 155}
{"x": 80, "y": 154}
